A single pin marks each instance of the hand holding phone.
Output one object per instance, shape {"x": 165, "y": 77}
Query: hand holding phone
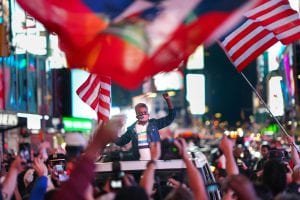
{"x": 25, "y": 152}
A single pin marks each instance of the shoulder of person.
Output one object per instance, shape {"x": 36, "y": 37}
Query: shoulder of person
{"x": 152, "y": 120}
{"x": 132, "y": 126}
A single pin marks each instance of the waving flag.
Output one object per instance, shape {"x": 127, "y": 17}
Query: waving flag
{"x": 278, "y": 17}
{"x": 95, "y": 92}
{"x": 246, "y": 43}
{"x": 262, "y": 27}
{"x": 130, "y": 40}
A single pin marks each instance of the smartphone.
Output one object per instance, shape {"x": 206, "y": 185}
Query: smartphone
{"x": 212, "y": 187}
{"x": 59, "y": 168}
{"x": 25, "y": 152}
{"x": 63, "y": 177}
{"x": 116, "y": 184}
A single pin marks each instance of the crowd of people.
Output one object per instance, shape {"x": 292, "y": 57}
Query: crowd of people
{"x": 275, "y": 176}
{"x": 70, "y": 173}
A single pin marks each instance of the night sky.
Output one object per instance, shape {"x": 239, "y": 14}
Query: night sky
{"x": 226, "y": 90}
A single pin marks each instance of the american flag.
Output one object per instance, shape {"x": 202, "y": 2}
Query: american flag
{"x": 95, "y": 92}
{"x": 262, "y": 27}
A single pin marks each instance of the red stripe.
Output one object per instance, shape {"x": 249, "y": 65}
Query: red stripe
{"x": 278, "y": 17}
{"x": 84, "y": 85}
{"x": 94, "y": 103}
{"x": 105, "y": 92}
{"x": 241, "y": 35}
{"x": 249, "y": 44}
{"x": 91, "y": 89}
{"x": 267, "y": 10}
{"x": 101, "y": 116}
{"x": 290, "y": 39}
{"x": 286, "y": 27}
{"x": 105, "y": 79}
{"x": 255, "y": 54}
{"x": 104, "y": 105}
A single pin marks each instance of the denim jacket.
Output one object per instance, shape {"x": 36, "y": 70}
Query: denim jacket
{"x": 152, "y": 132}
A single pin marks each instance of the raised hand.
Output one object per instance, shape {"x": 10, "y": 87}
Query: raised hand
{"x": 104, "y": 134}
{"x": 290, "y": 139}
{"x": 40, "y": 167}
{"x": 18, "y": 164}
{"x": 155, "y": 149}
{"x": 182, "y": 148}
{"x": 226, "y": 145}
{"x": 166, "y": 96}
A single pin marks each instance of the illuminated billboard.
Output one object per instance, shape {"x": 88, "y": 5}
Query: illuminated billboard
{"x": 28, "y": 35}
{"x": 196, "y": 60}
{"x": 168, "y": 81}
{"x": 275, "y": 96}
{"x": 195, "y": 93}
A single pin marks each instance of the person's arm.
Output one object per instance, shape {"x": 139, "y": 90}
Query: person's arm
{"x": 40, "y": 186}
{"x": 241, "y": 186}
{"x": 226, "y": 145}
{"x": 10, "y": 181}
{"x": 124, "y": 139}
{"x": 168, "y": 100}
{"x": 294, "y": 151}
{"x": 196, "y": 182}
{"x": 83, "y": 174}
{"x": 147, "y": 180}
{"x": 167, "y": 120}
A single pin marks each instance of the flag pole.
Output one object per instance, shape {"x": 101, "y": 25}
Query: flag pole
{"x": 267, "y": 107}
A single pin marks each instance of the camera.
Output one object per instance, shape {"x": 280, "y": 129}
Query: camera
{"x": 212, "y": 187}
{"x": 60, "y": 172}
{"x": 116, "y": 184}
{"x": 59, "y": 168}
{"x": 116, "y": 181}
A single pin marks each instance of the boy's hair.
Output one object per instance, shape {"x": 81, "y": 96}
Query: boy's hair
{"x": 140, "y": 105}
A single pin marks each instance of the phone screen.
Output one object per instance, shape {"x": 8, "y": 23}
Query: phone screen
{"x": 59, "y": 168}
{"x": 212, "y": 187}
{"x": 116, "y": 184}
{"x": 24, "y": 151}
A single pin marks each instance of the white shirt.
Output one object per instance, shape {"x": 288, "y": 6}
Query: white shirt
{"x": 141, "y": 131}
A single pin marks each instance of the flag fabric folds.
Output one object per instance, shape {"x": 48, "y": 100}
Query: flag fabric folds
{"x": 263, "y": 26}
{"x": 96, "y": 92}
{"x": 131, "y": 40}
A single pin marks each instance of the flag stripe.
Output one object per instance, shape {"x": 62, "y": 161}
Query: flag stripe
{"x": 96, "y": 92}
{"x": 261, "y": 8}
{"x": 290, "y": 35}
{"x": 244, "y": 46}
{"x": 88, "y": 95}
{"x": 269, "y": 39}
{"x": 270, "y": 12}
{"x": 244, "y": 38}
{"x": 237, "y": 35}
{"x": 283, "y": 21}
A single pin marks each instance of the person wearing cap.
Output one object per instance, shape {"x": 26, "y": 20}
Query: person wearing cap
{"x": 75, "y": 145}
{"x": 145, "y": 130}
{"x": 56, "y": 165}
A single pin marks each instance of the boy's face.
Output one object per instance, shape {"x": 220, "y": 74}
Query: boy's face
{"x": 142, "y": 114}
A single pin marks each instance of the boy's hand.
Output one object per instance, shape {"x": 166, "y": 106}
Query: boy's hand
{"x": 155, "y": 149}
{"x": 166, "y": 96}
{"x": 39, "y": 167}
